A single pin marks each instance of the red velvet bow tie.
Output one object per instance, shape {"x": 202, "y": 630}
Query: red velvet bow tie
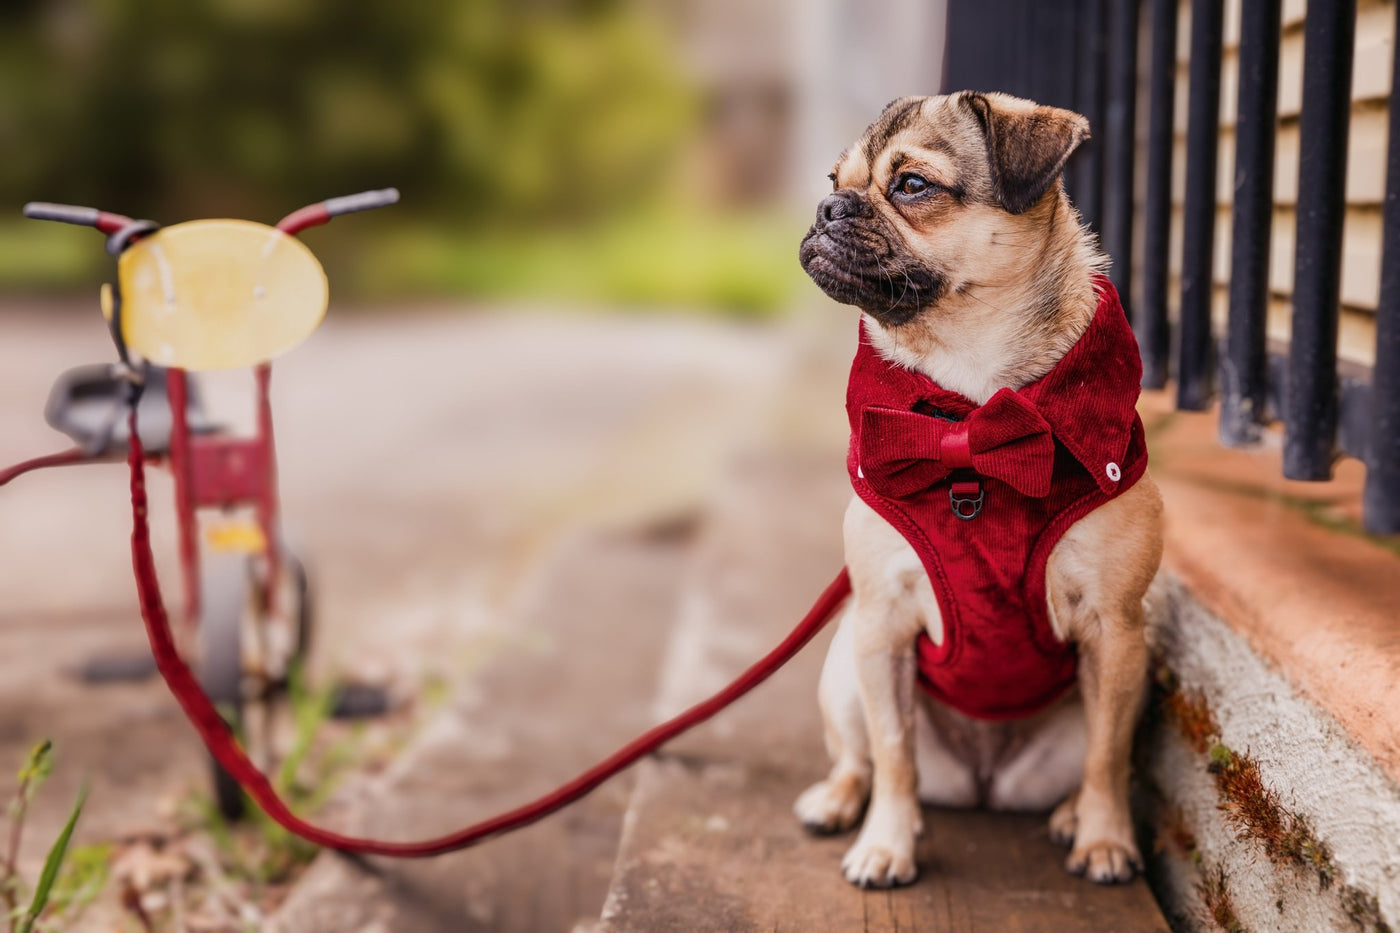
{"x": 903, "y": 453}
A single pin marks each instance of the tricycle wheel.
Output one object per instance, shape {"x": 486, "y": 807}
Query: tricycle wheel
{"x": 300, "y": 591}
{"x": 226, "y": 596}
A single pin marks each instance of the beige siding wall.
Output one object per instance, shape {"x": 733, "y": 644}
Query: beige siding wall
{"x": 1375, "y": 26}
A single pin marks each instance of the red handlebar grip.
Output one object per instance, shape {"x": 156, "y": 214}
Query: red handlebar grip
{"x": 313, "y": 215}
{"x": 111, "y": 223}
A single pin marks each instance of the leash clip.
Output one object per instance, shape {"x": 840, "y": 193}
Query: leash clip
{"x": 967, "y": 498}
{"x": 132, "y": 379}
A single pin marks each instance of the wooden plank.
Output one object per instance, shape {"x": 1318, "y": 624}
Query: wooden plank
{"x": 548, "y": 700}
{"x": 1361, "y": 259}
{"x": 711, "y": 843}
{"x": 1366, "y": 152}
{"x": 713, "y": 847}
{"x": 1361, "y": 256}
{"x": 1366, "y": 149}
{"x": 1356, "y": 331}
{"x": 1293, "y": 12}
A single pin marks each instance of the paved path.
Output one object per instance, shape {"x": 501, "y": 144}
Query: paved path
{"x": 430, "y": 461}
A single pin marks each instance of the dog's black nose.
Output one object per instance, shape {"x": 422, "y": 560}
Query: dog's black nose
{"x": 838, "y": 205}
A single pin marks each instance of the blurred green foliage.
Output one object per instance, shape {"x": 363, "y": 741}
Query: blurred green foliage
{"x": 477, "y": 110}
{"x": 740, "y": 264}
{"x": 539, "y": 145}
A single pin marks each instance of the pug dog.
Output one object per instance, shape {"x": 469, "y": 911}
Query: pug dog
{"x": 1004, "y": 531}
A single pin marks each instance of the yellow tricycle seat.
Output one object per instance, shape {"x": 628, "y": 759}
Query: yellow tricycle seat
{"x": 218, "y": 294}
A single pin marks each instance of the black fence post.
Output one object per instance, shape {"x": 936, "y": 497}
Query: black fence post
{"x": 1022, "y": 47}
{"x": 1119, "y": 149}
{"x": 1381, "y": 499}
{"x": 1086, "y": 175}
{"x": 1154, "y": 335}
{"x": 1244, "y": 369}
{"x": 1193, "y": 371}
{"x": 1310, "y": 414}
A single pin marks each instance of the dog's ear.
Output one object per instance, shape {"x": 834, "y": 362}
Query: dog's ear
{"x": 1027, "y": 145}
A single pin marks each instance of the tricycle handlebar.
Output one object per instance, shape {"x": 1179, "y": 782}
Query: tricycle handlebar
{"x": 295, "y": 222}
{"x": 71, "y": 214}
{"x": 316, "y": 214}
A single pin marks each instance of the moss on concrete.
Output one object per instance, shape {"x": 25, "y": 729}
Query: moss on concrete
{"x": 1215, "y": 895}
{"x": 1252, "y": 809}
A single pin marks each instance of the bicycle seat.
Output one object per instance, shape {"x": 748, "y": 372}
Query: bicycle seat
{"x": 87, "y": 403}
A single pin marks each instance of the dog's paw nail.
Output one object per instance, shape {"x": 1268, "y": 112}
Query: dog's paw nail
{"x": 824, "y": 808}
{"x": 873, "y": 866}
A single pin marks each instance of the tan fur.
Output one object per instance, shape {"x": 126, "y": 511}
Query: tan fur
{"x": 1018, "y": 295}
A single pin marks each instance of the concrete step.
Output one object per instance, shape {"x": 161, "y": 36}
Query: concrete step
{"x": 568, "y": 683}
{"x": 1272, "y": 748}
{"x": 711, "y": 843}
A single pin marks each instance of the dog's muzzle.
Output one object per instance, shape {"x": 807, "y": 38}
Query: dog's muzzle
{"x": 849, "y": 255}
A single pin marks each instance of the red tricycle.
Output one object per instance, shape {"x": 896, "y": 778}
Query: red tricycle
{"x": 208, "y": 294}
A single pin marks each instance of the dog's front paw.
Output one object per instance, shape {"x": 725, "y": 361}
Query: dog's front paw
{"x": 1104, "y": 850}
{"x": 872, "y": 865}
{"x": 883, "y": 855}
{"x": 1105, "y": 862}
{"x": 831, "y": 806}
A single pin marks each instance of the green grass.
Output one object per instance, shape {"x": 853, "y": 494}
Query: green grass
{"x": 37, "y": 256}
{"x": 60, "y": 885}
{"x": 738, "y": 265}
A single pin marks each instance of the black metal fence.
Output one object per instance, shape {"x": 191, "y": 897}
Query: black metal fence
{"x": 1082, "y": 54}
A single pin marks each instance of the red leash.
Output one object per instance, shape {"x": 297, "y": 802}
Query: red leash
{"x": 218, "y": 738}
{"x": 63, "y": 458}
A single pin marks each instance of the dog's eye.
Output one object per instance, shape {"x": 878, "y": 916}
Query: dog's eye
{"x": 911, "y": 184}
{"x": 832, "y": 176}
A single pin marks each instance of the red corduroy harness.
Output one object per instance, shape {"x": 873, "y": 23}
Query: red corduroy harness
{"x": 983, "y": 494}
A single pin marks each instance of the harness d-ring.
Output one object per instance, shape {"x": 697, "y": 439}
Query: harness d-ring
{"x": 967, "y": 498}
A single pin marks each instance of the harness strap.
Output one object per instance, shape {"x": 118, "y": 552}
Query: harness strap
{"x": 219, "y": 739}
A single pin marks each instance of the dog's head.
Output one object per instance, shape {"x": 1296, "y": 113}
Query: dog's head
{"x": 939, "y": 194}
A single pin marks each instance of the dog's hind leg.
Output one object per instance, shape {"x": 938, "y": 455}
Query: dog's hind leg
{"x": 835, "y": 804}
